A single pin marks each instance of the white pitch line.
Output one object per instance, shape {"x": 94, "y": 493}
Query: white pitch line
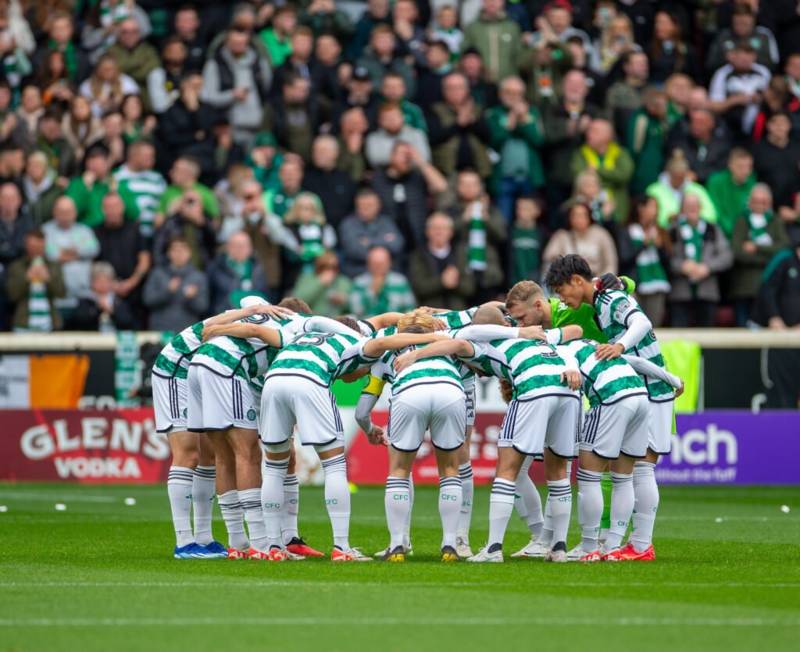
{"x": 373, "y": 621}
{"x": 270, "y": 583}
{"x": 62, "y": 497}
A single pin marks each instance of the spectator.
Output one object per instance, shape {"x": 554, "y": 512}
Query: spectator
{"x": 111, "y": 124}
{"x": 393, "y": 90}
{"x": 237, "y": 81}
{"x": 366, "y": 229}
{"x": 102, "y": 309}
{"x": 73, "y": 246}
{"x": 497, "y": 38}
{"x": 300, "y": 63}
{"x": 325, "y": 289}
{"x": 586, "y": 239}
{"x": 278, "y": 200}
{"x": 555, "y": 25}
{"x": 404, "y": 186}
{"x": 406, "y": 25}
{"x": 588, "y": 190}
{"x": 612, "y": 162}
{"x": 12, "y": 163}
{"x": 328, "y": 59}
{"x": 730, "y": 188}
{"x": 324, "y": 17}
{"x": 29, "y": 111}
{"x": 651, "y": 248}
{"x": 277, "y": 37}
{"x": 87, "y": 190}
{"x": 50, "y": 139}
{"x": 176, "y": 292}
{"x": 79, "y": 127}
{"x": 163, "y": 81}
{"x": 34, "y": 284}
{"x": 669, "y": 53}
{"x": 459, "y": 134}
{"x": 483, "y": 229}
{"x": 704, "y": 141}
{"x": 60, "y": 35}
{"x": 379, "y": 289}
{"x": 379, "y": 58}
{"x": 107, "y": 86}
{"x": 646, "y": 136}
{"x": 743, "y": 27}
{"x": 776, "y": 161}
{"x": 516, "y": 133}
{"x": 757, "y": 236}
{"x": 265, "y": 160}
{"x": 187, "y": 29}
{"x": 135, "y": 57}
{"x": 15, "y": 223}
{"x": 358, "y": 94}
{"x": 673, "y": 185}
{"x": 625, "y": 95}
{"x": 438, "y": 272}
{"x": 53, "y": 80}
{"x": 376, "y": 13}
{"x": 616, "y": 38}
{"x": 184, "y": 175}
{"x": 141, "y": 187}
{"x": 125, "y": 249}
{"x": 187, "y": 219}
{"x": 735, "y": 88}
{"x": 137, "y": 124}
{"x": 295, "y": 117}
{"x": 334, "y": 187}
{"x": 527, "y": 241}
{"x": 352, "y": 135}
{"x": 544, "y": 67}
{"x": 392, "y": 129}
{"x": 700, "y": 253}
{"x": 483, "y": 91}
{"x": 445, "y": 29}
{"x": 235, "y": 273}
{"x": 431, "y": 73}
{"x": 311, "y": 235}
{"x": 39, "y": 187}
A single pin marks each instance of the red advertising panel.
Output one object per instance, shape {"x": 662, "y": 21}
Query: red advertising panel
{"x": 83, "y": 446}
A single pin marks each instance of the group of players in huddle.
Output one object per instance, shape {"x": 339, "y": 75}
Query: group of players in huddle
{"x": 234, "y": 390}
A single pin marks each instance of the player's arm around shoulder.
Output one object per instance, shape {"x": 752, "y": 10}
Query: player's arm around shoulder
{"x": 244, "y": 331}
{"x": 374, "y": 348}
{"x": 445, "y": 346}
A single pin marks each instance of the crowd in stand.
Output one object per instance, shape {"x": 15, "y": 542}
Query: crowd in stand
{"x": 159, "y": 160}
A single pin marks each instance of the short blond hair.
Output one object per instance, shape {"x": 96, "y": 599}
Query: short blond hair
{"x": 523, "y": 292}
{"x": 417, "y": 321}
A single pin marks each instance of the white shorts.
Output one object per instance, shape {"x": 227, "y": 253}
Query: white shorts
{"x": 217, "y": 402}
{"x": 469, "y": 395}
{"x": 550, "y": 422}
{"x": 621, "y": 427}
{"x": 660, "y": 427}
{"x": 169, "y": 403}
{"x": 439, "y": 407}
{"x": 292, "y": 400}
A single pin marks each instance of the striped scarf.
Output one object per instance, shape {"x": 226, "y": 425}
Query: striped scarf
{"x": 758, "y": 223}
{"x": 651, "y": 275}
{"x": 692, "y": 237}
{"x": 476, "y": 244}
{"x": 39, "y": 317}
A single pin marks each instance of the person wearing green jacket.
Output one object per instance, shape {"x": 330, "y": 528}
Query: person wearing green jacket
{"x": 393, "y": 90}
{"x": 183, "y": 176}
{"x": 325, "y": 289}
{"x": 730, "y": 188}
{"x": 672, "y": 185}
{"x": 277, "y": 37}
{"x": 497, "y": 38}
{"x": 613, "y": 163}
{"x": 515, "y": 133}
{"x": 88, "y": 190}
{"x": 646, "y": 137}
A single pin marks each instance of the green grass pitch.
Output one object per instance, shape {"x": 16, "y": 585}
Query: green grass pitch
{"x": 99, "y": 576}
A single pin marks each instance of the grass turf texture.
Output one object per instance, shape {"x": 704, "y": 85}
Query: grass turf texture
{"x": 99, "y": 576}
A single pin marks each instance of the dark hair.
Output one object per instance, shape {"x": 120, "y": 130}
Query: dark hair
{"x": 35, "y": 233}
{"x": 178, "y": 239}
{"x": 295, "y": 304}
{"x": 349, "y": 322}
{"x": 563, "y": 268}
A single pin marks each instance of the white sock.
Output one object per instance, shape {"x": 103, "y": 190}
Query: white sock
{"x": 645, "y": 491}
{"x": 528, "y": 502}
{"x": 179, "y": 490}
{"x": 337, "y": 499}
{"x": 233, "y": 517}
{"x": 203, "y": 493}
{"x": 397, "y": 502}
{"x": 450, "y": 498}
{"x": 272, "y": 492}
{"x": 407, "y": 526}
{"x": 621, "y": 509}
{"x": 546, "y": 538}
{"x": 590, "y": 508}
{"x": 290, "y": 508}
{"x": 501, "y": 504}
{"x": 467, "y": 493}
{"x": 560, "y": 498}
{"x": 254, "y": 515}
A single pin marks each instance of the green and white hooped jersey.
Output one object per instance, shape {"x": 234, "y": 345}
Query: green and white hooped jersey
{"x": 456, "y": 318}
{"x": 440, "y": 369}
{"x": 604, "y": 381}
{"x": 141, "y": 192}
{"x": 614, "y": 309}
{"x": 173, "y": 360}
{"x": 246, "y": 358}
{"x": 320, "y": 357}
{"x": 534, "y": 369}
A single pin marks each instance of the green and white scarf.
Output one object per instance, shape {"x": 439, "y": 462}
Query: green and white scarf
{"x": 758, "y": 223}
{"x": 476, "y": 251}
{"x": 651, "y": 275}
{"x": 692, "y": 237}
{"x": 39, "y": 317}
